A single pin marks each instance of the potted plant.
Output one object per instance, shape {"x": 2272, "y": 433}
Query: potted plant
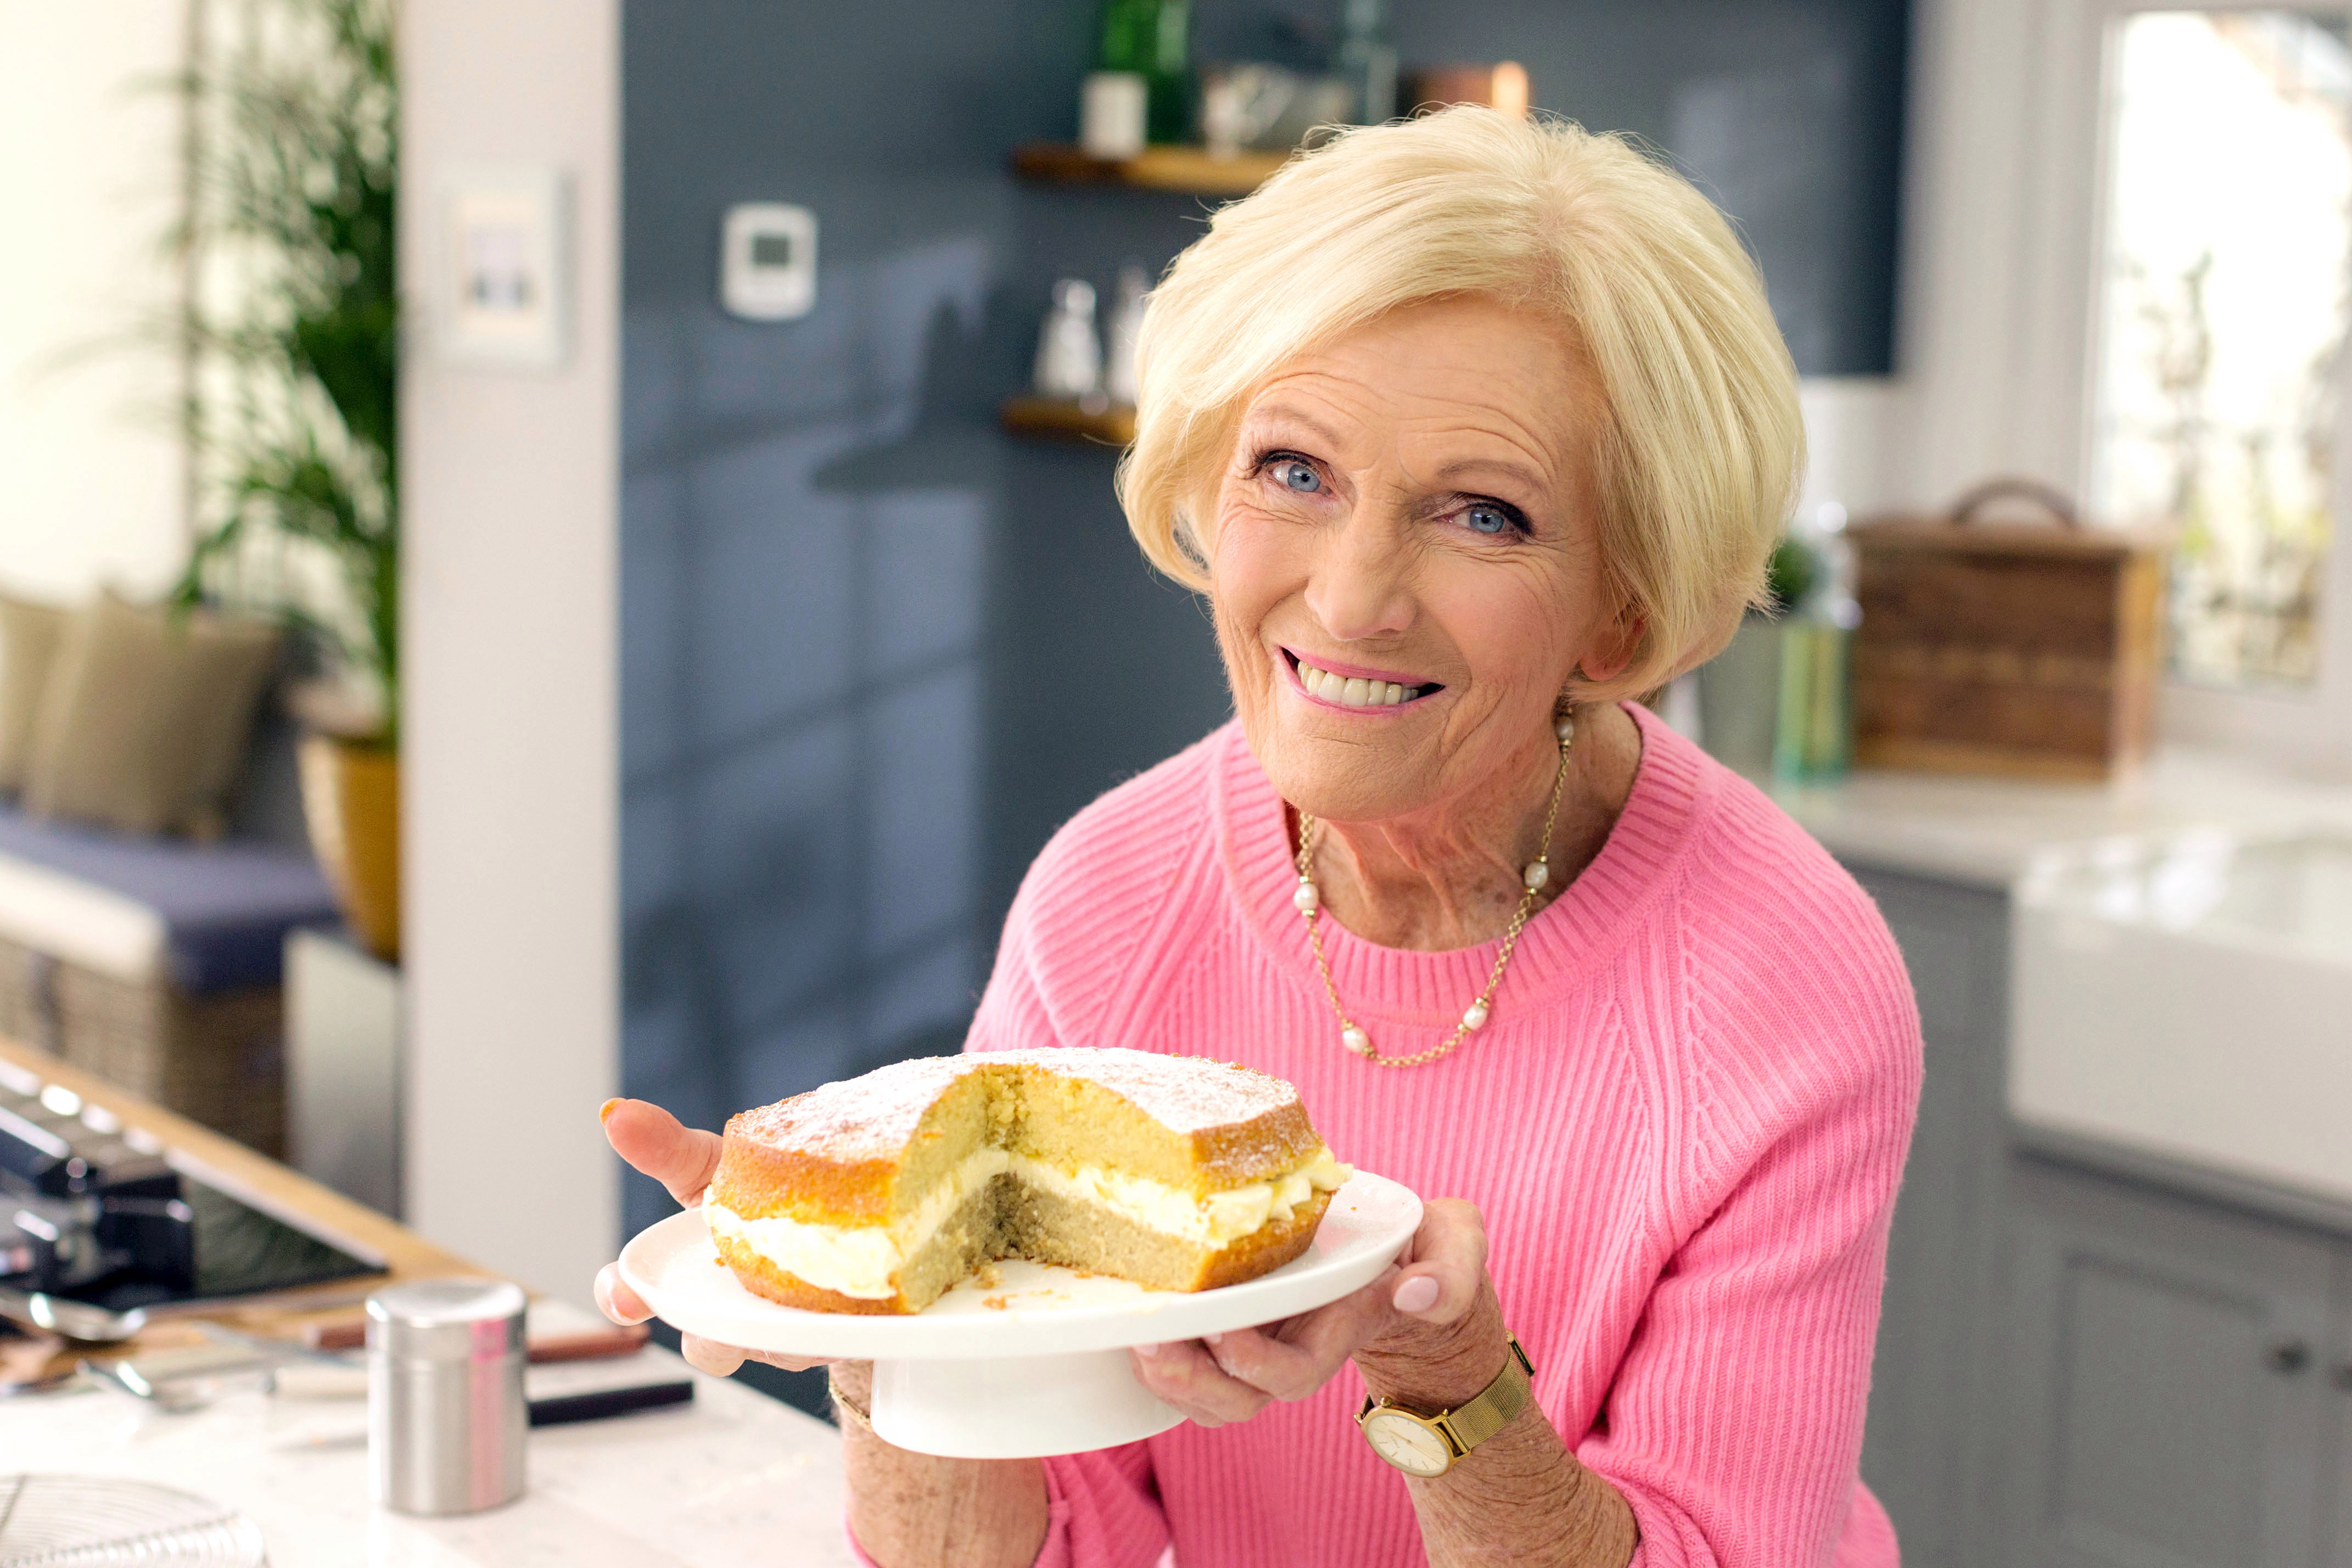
{"x": 1739, "y": 689}
{"x": 292, "y": 332}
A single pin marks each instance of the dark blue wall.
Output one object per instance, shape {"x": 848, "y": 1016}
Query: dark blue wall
{"x": 873, "y": 652}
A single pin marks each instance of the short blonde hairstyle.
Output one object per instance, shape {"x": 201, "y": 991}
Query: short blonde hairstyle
{"x": 1696, "y": 461}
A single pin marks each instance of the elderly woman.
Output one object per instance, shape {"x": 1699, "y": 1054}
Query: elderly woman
{"x": 1469, "y": 429}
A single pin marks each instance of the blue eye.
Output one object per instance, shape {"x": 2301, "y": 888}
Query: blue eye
{"x": 1487, "y": 520}
{"x": 1299, "y": 476}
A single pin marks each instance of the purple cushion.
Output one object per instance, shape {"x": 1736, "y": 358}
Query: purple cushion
{"x": 227, "y": 907}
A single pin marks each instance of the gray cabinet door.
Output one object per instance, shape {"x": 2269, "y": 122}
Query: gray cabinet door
{"x": 1936, "y": 1377}
{"x": 2170, "y": 1390}
{"x": 2339, "y": 1413}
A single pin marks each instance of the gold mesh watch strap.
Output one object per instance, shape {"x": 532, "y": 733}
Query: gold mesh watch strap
{"x": 1496, "y": 1406}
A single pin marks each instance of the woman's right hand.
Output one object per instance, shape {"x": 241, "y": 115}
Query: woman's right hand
{"x": 682, "y": 1159}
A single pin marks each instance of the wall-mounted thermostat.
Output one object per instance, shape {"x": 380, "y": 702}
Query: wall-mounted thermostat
{"x": 767, "y": 261}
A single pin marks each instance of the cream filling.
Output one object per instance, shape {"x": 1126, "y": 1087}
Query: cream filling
{"x": 864, "y": 1260}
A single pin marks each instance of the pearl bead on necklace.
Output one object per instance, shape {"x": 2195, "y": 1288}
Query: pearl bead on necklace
{"x": 1307, "y": 898}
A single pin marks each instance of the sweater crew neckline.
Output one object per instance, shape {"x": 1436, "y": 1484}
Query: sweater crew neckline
{"x": 1579, "y": 929}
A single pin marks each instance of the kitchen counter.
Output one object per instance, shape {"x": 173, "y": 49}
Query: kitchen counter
{"x": 1987, "y": 832}
{"x": 733, "y": 1480}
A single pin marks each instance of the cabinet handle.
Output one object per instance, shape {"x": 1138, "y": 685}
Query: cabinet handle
{"x": 2287, "y": 1357}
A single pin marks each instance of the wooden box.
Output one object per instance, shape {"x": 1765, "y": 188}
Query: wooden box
{"x": 2026, "y": 647}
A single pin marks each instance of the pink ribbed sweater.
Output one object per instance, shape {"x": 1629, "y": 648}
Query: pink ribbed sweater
{"x": 1685, "y": 1127}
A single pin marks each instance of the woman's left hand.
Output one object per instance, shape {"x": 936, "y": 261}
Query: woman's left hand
{"x": 1420, "y": 1311}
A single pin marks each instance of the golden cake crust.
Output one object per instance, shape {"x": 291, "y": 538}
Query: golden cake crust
{"x": 861, "y": 1153}
{"x": 832, "y": 1156}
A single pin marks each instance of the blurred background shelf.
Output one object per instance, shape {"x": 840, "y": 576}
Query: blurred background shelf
{"x": 1190, "y": 170}
{"x": 1057, "y": 419}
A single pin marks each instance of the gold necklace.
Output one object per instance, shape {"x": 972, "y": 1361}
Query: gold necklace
{"x": 1309, "y": 900}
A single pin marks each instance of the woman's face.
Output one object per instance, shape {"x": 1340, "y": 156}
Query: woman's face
{"x": 1408, "y": 512}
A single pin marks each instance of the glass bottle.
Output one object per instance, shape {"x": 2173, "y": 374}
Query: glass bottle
{"x": 1153, "y": 39}
{"x": 1366, "y": 59}
{"x": 1813, "y": 740}
{"x": 1069, "y": 352}
{"x": 1126, "y": 333}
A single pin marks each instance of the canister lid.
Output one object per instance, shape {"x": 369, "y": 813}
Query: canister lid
{"x": 447, "y": 1320}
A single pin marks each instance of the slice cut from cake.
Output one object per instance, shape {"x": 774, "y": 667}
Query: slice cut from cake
{"x": 878, "y": 1193}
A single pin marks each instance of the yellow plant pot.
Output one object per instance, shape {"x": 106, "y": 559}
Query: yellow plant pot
{"x": 350, "y": 799}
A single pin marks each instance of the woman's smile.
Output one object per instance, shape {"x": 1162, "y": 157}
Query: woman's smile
{"x": 1355, "y": 687}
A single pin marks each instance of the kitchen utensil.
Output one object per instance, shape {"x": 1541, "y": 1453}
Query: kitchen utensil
{"x": 178, "y": 1380}
{"x": 1026, "y": 1359}
{"x": 102, "y": 1520}
{"x": 446, "y": 1412}
{"x": 74, "y": 1320}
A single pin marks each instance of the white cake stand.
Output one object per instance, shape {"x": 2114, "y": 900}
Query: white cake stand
{"x": 1026, "y": 1360}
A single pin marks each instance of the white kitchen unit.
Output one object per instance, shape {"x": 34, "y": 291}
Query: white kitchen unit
{"x": 2118, "y": 1326}
{"x": 2192, "y": 996}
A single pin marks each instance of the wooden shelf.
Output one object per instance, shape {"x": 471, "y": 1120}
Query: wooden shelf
{"x": 1113, "y": 425}
{"x": 1188, "y": 171}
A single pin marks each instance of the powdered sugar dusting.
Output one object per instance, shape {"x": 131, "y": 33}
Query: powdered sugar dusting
{"x": 1189, "y": 1094}
{"x": 867, "y": 1118}
{"x": 871, "y": 1118}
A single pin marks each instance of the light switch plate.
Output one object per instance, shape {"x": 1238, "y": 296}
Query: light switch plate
{"x": 504, "y": 286}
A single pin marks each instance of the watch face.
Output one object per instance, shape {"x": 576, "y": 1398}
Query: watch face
{"x": 1407, "y": 1444}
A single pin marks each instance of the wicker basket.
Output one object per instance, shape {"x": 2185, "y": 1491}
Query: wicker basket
{"x": 218, "y": 1059}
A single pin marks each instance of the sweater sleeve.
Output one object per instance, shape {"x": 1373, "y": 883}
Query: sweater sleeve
{"x": 1734, "y": 1425}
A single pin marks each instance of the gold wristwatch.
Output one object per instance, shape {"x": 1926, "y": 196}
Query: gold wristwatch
{"x": 1429, "y": 1446}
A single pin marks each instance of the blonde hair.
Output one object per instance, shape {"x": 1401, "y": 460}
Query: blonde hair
{"x": 1696, "y": 463}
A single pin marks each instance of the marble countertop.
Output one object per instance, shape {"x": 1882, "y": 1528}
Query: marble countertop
{"x": 732, "y": 1480}
{"x": 1987, "y": 832}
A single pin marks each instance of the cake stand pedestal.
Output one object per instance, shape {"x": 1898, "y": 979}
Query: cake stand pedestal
{"x": 982, "y": 1409}
{"x": 1024, "y": 1360}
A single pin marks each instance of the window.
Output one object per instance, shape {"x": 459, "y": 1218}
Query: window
{"x": 2221, "y": 316}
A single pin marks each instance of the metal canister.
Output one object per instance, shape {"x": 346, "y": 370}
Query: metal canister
{"x": 446, "y": 1415}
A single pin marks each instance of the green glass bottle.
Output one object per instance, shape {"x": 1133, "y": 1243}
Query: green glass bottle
{"x": 1153, "y": 38}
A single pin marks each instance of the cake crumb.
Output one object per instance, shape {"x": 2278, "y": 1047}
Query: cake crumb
{"x": 988, "y": 1277}
{"x": 996, "y": 1303}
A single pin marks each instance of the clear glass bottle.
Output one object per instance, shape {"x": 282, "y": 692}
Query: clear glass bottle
{"x": 1126, "y": 329}
{"x": 1812, "y": 738}
{"x": 1069, "y": 351}
{"x": 1366, "y": 59}
{"x": 1152, "y": 38}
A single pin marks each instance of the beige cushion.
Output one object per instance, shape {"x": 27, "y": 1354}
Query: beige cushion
{"x": 28, "y": 646}
{"x": 144, "y": 720}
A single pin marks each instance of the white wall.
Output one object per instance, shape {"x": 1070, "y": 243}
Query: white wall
{"x": 89, "y": 182}
{"x": 510, "y": 485}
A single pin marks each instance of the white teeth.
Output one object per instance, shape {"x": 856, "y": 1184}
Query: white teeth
{"x": 1356, "y": 692}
